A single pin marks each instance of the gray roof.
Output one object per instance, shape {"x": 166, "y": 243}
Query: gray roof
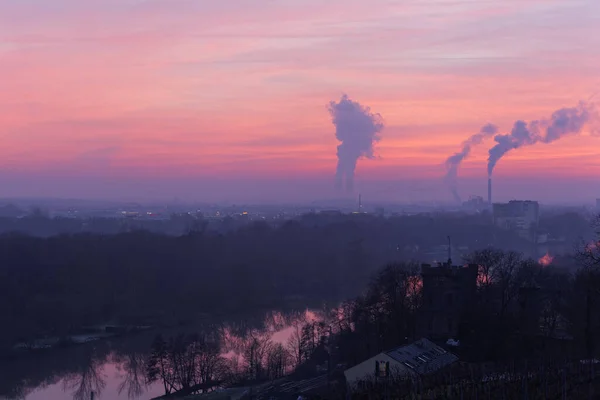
{"x": 422, "y": 356}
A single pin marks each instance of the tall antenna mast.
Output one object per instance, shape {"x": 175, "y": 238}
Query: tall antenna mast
{"x": 449, "y": 251}
{"x": 359, "y": 203}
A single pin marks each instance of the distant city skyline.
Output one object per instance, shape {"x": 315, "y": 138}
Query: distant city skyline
{"x": 227, "y": 101}
{"x": 576, "y": 191}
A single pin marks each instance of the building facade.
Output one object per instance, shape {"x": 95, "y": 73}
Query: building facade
{"x": 419, "y": 358}
{"x": 447, "y": 293}
{"x": 520, "y": 216}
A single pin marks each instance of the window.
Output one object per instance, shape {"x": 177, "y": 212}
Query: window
{"x": 382, "y": 368}
{"x": 449, "y": 299}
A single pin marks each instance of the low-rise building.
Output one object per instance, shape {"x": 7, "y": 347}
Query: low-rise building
{"x": 419, "y": 358}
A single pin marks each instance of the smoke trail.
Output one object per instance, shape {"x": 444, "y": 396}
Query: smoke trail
{"x": 521, "y": 135}
{"x": 453, "y": 162}
{"x": 562, "y": 122}
{"x": 357, "y": 128}
{"x": 566, "y": 121}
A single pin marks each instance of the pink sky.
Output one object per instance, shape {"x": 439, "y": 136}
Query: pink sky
{"x": 217, "y": 100}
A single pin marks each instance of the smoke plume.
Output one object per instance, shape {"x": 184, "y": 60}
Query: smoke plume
{"x": 453, "y": 162}
{"x": 358, "y": 129}
{"x": 562, "y": 122}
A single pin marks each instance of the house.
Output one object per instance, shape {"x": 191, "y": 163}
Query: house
{"x": 286, "y": 388}
{"x": 220, "y": 394}
{"x": 419, "y": 358}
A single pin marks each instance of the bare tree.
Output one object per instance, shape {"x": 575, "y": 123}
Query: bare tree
{"x": 340, "y": 317}
{"x": 158, "y": 366}
{"x": 385, "y": 316}
{"x": 89, "y": 379}
{"x": 134, "y": 379}
{"x": 255, "y": 347}
{"x": 498, "y": 279}
{"x": 588, "y": 253}
{"x": 294, "y": 343}
{"x": 278, "y": 361}
{"x": 185, "y": 362}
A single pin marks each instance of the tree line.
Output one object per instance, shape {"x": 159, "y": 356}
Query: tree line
{"x": 499, "y": 334}
{"x": 568, "y": 305}
{"x": 497, "y": 329}
{"x": 54, "y": 285}
{"x": 545, "y": 319}
{"x": 190, "y": 363}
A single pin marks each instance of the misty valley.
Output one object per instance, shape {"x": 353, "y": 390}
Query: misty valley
{"x": 224, "y": 304}
{"x": 299, "y": 200}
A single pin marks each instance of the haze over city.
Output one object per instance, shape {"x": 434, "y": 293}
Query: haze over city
{"x": 228, "y": 101}
{"x": 299, "y": 199}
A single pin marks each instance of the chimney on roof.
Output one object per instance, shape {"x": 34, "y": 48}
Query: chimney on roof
{"x": 449, "y": 252}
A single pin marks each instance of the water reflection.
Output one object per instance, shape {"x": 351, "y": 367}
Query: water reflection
{"x": 115, "y": 369}
{"x": 131, "y": 369}
{"x": 89, "y": 378}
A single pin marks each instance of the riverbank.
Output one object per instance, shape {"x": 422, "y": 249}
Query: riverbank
{"x": 117, "y": 359}
{"x": 88, "y": 335}
{"x": 103, "y": 331}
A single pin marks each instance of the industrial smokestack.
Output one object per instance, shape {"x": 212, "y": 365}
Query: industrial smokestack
{"x": 490, "y": 191}
{"x": 454, "y": 161}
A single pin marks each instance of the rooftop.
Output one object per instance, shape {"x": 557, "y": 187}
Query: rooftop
{"x": 448, "y": 269}
{"x": 422, "y": 356}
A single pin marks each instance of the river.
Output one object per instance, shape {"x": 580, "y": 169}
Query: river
{"x": 114, "y": 368}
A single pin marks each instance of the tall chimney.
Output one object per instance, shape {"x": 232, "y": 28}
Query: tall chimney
{"x": 490, "y": 192}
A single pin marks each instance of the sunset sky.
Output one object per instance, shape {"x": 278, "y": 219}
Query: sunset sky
{"x": 227, "y": 100}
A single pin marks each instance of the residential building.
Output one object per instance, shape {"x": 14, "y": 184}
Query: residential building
{"x": 520, "y": 216}
{"x": 447, "y": 293}
{"x": 419, "y": 358}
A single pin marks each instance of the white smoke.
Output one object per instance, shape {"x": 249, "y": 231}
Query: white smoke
{"x": 562, "y": 122}
{"x": 358, "y": 129}
{"x": 454, "y": 161}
